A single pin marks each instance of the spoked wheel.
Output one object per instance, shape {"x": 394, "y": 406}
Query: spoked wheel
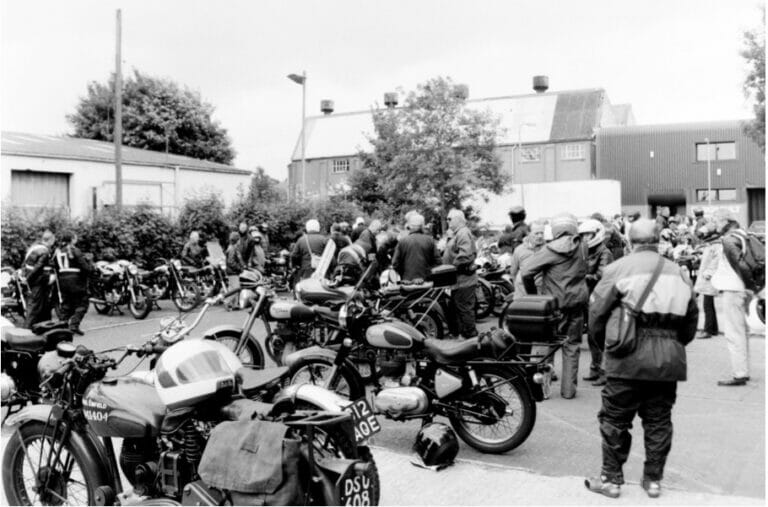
{"x": 251, "y": 355}
{"x": 483, "y": 299}
{"x": 187, "y": 296}
{"x": 69, "y": 480}
{"x": 500, "y": 293}
{"x": 141, "y": 304}
{"x": 317, "y": 371}
{"x": 496, "y": 419}
{"x": 430, "y": 324}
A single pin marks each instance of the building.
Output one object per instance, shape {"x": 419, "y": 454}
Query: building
{"x": 667, "y": 165}
{"x": 79, "y": 174}
{"x": 544, "y": 137}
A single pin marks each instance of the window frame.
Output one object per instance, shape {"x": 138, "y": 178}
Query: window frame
{"x": 701, "y": 194}
{"x": 340, "y": 162}
{"x": 565, "y": 152}
{"x": 716, "y": 148}
{"x": 530, "y": 149}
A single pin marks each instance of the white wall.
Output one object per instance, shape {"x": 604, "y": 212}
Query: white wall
{"x": 141, "y": 183}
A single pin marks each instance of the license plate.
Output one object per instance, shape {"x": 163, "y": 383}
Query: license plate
{"x": 365, "y": 422}
{"x": 356, "y": 488}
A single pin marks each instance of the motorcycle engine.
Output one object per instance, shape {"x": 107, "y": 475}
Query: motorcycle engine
{"x": 401, "y": 401}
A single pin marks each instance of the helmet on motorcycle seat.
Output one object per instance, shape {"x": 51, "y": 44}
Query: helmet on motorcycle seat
{"x": 389, "y": 277}
{"x": 250, "y": 279}
{"x": 594, "y": 227}
{"x": 192, "y": 371}
{"x": 436, "y": 445}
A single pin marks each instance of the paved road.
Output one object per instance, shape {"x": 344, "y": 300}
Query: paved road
{"x": 719, "y": 443}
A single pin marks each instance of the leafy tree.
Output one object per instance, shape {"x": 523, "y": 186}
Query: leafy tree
{"x": 754, "y": 84}
{"x": 157, "y": 114}
{"x": 431, "y": 153}
{"x": 263, "y": 188}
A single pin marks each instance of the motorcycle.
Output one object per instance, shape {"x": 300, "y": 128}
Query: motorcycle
{"x": 14, "y": 291}
{"x": 481, "y": 385}
{"x": 20, "y": 353}
{"x": 212, "y": 279}
{"x": 182, "y": 287}
{"x": 62, "y": 452}
{"x": 279, "y": 272}
{"x": 118, "y": 283}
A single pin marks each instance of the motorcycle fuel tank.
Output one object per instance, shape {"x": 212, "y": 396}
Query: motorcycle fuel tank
{"x": 284, "y": 309}
{"x": 123, "y": 407}
{"x": 316, "y": 292}
{"x": 393, "y": 335}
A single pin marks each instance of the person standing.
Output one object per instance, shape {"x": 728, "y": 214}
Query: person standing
{"x": 531, "y": 244}
{"x": 416, "y": 253}
{"x": 357, "y": 229}
{"x": 235, "y": 266}
{"x": 731, "y": 281}
{"x": 598, "y": 257}
{"x": 644, "y": 380}
{"x": 510, "y": 240}
{"x": 73, "y": 271}
{"x": 245, "y": 243}
{"x": 460, "y": 251}
{"x": 193, "y": 253}
{"x": 338, "y": 237}
{"x": 37, "y": 258}
{"x": 307, "y": 247}
{"x": 707, "y": 267}
{"x": 258, "y": 258}
{"x": 563, "y": 265}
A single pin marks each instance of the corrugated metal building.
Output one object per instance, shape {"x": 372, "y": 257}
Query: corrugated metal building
{"x": 666, "y": 165}
{"x": 544, "y": 137}
{"x": 79, "y": 174}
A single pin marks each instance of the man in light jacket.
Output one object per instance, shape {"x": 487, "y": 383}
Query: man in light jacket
{"x": 644, "y": 381}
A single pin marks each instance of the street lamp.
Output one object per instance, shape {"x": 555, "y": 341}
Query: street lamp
{"x": 709, "y": 175}
{"x": 302, "y": 80}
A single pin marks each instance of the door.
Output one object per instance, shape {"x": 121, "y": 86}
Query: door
{"x": 39, "y": 189}
{"x": 755, "y": 204}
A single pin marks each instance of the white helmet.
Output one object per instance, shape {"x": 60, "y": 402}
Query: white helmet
{"x": 594, "y": 227}
{"x": 192, "y": 371}
{"x": 389, "y": 277}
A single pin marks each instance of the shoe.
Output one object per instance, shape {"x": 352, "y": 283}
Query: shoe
{"x": 77, "y": 331}
{"x": 735, "y": 381}
{"x": 591, "y": 376}
{"x": 703, "y": 335}
{"x": 599, "y": 485}
{"x": 599, "y": 382}
{"x": 653, "y": 488}
{"x": 554, "y": 377}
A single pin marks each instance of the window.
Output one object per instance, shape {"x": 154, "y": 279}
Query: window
{"x": 718, "y": 194}
{"x": 717, "y": 151}
{"x": 532, "y": 154}
{"x": 572, "y": 152}
{"x": 341, "y": 166}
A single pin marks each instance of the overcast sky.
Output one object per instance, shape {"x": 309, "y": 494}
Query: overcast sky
{"x": 673, "y": 60}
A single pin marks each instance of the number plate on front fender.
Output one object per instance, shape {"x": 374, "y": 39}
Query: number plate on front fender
{"x": 366, "y": 424}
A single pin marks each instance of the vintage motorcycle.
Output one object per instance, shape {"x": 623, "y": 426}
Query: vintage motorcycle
{"x": 20, "y": 353}
{"x": 117, "y": 283}
{"x": 62, "y": 452}
{"x": 174, "y": 280}
{"x": 481, "y": 385}
{"x": 14, "y": 290}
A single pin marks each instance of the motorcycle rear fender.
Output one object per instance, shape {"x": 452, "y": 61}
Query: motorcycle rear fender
{"x": 226, "y": 330}
{"x": 95, "y": 453}
{"x": 525, "y": 371}
{"x": 318, "y": 396}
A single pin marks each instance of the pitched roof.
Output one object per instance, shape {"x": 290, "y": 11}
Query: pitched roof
{"x": 75, "y": 148}
{"x": 545, "y": 117}
{"x": 673, "y": 127}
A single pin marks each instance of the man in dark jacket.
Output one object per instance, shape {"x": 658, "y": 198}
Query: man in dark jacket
{"x": 563, "y": 266}
{"x": 644, "y": 381}
{"x": 245, "y": 243}
{"x": 512, "y": 239}
{"x": 311, "y": 243}
{"x": 194, "y": 253}
{"x": 72, "y": 270}
{"x": 415, "y": 253}
{"x": 36, "y": 261}
{"x": 460, "y": 250}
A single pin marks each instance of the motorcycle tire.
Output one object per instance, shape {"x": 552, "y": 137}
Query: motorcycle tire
{"x": 525, "y": 408}
{"x": 483, "y": 299}
{"x": 186, "y": 297}
{"x": 430, "y": 324}
{"x": 142, "y": 306}
{"x": 348, "y": 384}
{"x": 500, "y": 293}
{"x": 16, "y": 462}
{"x": 251, "y": 355}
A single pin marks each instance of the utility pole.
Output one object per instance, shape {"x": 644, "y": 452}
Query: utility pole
{"x": 709, "y": 175}
{"x": 118, "y": 130}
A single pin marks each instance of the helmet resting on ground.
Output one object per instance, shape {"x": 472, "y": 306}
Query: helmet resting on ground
{"x": 436, "y": 444}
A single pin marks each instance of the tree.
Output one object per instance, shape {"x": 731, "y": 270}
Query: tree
{"x": 263, "y": 188}
{"x": 754, "y": 84}
{"x": 431, "y": 154}
{"x": 157, "y": 115}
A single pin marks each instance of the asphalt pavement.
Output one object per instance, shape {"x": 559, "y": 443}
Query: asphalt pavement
{"x": 717, "y": 457}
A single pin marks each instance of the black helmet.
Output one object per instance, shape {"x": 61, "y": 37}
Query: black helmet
{"x": 437, "y": 445}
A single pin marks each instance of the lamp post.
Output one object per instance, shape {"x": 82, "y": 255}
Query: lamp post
{"x": 302, "y": 80}
{"x": 709, "y": 175}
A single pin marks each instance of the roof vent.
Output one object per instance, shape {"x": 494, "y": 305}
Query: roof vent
{"x": 540, "y": 83}
{"x": 390, "y": 99}
{"x": 461, "y": 91}
{"x": 326, "y": 106}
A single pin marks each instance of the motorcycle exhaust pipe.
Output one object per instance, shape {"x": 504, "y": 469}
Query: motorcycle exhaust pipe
{"x": 540, "y": 377}
{"x": 97, "y": 301}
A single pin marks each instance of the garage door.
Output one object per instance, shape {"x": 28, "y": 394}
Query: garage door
{"x": 756, "y": 204}
{"x": 37, "y": 188}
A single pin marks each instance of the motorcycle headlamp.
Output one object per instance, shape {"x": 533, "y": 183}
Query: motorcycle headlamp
{"x": 132, "y": 269}
{"x": 177, "y": 264}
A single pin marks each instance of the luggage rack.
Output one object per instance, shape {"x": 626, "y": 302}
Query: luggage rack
{"x": 530, "y": 358}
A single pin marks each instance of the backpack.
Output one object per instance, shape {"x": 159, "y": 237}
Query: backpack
{"x": 752, "y": 260}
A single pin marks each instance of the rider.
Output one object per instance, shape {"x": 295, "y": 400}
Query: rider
{"x": 510, "y": 240}
{"x": 73, "y": 271}
{"x": 35, "y": 261}
{"x": 193, "y": 253}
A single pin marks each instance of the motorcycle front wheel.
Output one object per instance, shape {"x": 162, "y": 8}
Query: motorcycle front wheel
{"x": 483, "y": 299}
{"x": 317, "y": 370}
{"x": 496, "y": 420}
{"x": 141, "y": 304}
{"x": 429, "y": 323}
{"x": 187, "y": 296}
{"x": 251, "y": 355}
{"x": 70, "y": 481}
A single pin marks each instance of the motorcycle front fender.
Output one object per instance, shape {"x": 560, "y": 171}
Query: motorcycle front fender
{"x": 226, "y": 330}
{"x": 39, "y": 413}
{"x": 312, "y": 352}
{"x": 317, "y": 396}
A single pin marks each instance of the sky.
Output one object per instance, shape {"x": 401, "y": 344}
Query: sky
{"x": 673, "y": 60}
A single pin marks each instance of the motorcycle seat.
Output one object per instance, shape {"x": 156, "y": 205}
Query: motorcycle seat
{"x": 23, "y": 339}
{"x": 326, "y": 313}
{"x": 451, "y": 351}
{"x": 418, "y": 287}
{"x": 252, "y": 380}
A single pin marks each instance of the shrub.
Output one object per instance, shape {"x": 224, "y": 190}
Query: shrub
{"x": 204, "y": 213}
{"x": 21, "y": 227}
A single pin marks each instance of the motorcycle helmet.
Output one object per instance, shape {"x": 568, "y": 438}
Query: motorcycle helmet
{"x": 436, "y": 445}
{"x": 192, "y": 371}
{"x": 388, "y": 278}
{"x": 250, "y": 279}
{"x": 594, "y": 227}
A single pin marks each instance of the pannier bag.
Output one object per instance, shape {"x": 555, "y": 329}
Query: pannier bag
{"x": 532, "y": 318}
{"x": 254, "y": 463}
{"x": 443, "y": 276}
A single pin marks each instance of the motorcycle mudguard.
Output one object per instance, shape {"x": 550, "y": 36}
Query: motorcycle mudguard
{"x": 95, "y": 453}
{"x": 226, "y": 330}
{"x": 310, "y": 352}
{"x": 318, "y": 396}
